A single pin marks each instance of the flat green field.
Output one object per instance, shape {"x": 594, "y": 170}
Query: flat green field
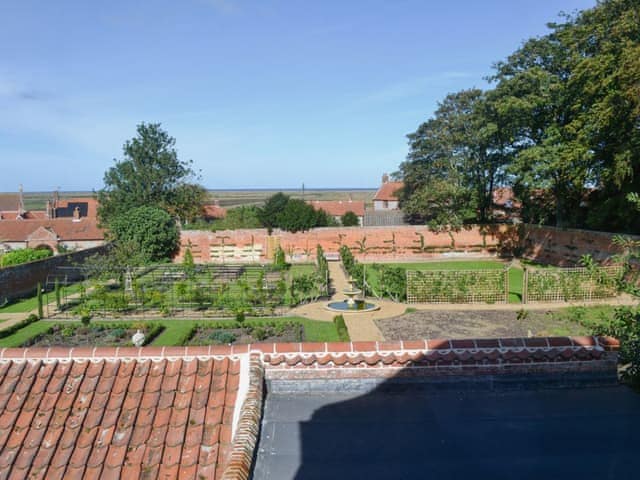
{"x": 235, "y": 198}
{"x": 176, "y": 331}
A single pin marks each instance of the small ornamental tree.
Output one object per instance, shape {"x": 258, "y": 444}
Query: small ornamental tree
{"x": 151, "y": 229}
{"x": 349, "y": 219}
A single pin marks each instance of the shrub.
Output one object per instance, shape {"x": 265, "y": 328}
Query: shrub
{"x": 222, "y": 336}
{"x": 349, "y": 219}
{"x": 40, "y": 304}
{"x": 24, "y": 255}
{"x": 18, "y": 326}
{"x": 341, "y": 327}
{"x": 625, "y": 326}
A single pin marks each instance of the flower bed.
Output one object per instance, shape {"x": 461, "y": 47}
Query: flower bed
{"x": 250, "y": 332}
{"x": 74, "y": 335}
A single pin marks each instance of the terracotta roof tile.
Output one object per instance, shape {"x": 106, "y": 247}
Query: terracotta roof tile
{"x": 337, "y": 208}
{"x": 388, "y": 190}
{"x": 64, "y": 228}
{"x": 112, "y": 417}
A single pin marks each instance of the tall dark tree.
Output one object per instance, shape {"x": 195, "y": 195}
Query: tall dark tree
{"x": 150, "y": 175}
{"x": 455, "y": 161}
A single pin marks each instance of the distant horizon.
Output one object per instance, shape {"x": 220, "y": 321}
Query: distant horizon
{"x": 256, "y": 189}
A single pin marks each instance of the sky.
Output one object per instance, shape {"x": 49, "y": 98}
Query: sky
{"x": 258, "y": 93}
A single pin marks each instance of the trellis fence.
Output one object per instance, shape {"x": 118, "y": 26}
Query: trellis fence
{"x": 458, "y": 286}
{"x": 571, "y": 284}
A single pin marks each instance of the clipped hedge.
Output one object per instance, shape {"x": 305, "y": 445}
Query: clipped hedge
{"x": 14, "y": 328}
{"x": 341, "y": 327}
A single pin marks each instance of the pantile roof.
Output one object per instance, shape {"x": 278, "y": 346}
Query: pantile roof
{"x": 195, "y": 412}
{"x": 339, "y": 207}
{"x": 116, "y": 417}
{"x": 211, "y": 211}
{"x": 388, "y": 190}
{"x": 64, "y": 228}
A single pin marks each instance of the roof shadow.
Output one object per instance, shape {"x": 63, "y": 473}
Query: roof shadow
{"x": 459, "y": 427}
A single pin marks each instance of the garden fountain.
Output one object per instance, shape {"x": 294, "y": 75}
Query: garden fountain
{"x": 351, "y": 304}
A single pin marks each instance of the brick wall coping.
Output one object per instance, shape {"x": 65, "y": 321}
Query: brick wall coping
{"x": 426, "y": 346}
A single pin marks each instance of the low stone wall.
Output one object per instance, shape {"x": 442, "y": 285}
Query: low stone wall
{"x": 22, "y": 280}
{"x": 367, "y": 243}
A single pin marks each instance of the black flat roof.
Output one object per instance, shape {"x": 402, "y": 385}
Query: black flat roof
{"x": 422, "y": 433}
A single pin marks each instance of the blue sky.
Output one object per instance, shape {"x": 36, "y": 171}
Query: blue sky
{"x": 258, "y": 93}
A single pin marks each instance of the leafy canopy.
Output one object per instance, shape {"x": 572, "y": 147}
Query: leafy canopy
{"x": 149, "y": 230}
{"x": 150, "y": 175}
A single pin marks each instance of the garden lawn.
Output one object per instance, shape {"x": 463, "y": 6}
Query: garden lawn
{"x": 24, "y": 334}
{"x": 30, "y": 304}
{"x": 515, "y": 274}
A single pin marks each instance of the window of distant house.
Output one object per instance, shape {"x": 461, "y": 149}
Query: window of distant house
{"x": 385, "y": 204}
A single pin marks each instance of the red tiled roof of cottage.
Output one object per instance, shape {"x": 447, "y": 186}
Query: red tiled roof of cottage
{"x": 504, "y": 197}
{"x": 388, "y": 190}
{"x": 92, "y": 204}
{"x": 64, "y": 228}
{"x": 116, "y": 416}
{"x": 213, "y": 211}
{"x": 339, "y": 207}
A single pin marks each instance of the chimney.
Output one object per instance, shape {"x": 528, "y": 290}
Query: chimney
{"x": 385, "y": 178}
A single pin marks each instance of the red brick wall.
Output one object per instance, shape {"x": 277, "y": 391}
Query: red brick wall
{"x": 565, "y": 246}
{"x": 540, "y": 243}
{"x": 379, "y": 240}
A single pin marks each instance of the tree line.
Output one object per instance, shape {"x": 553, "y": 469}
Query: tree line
{"x": 560, "y": 125}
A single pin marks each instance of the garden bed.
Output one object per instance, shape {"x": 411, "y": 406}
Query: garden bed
{"x": 108, "y": 335}
{"x": 246, "y": 333}
{"x": 484, "y": 324}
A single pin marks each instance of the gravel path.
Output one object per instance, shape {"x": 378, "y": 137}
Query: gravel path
{"x": 474, "y": 324}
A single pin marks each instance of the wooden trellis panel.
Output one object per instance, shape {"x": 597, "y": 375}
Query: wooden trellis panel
{"x": 571, "y": 284}
{"x": 458, "y": 286}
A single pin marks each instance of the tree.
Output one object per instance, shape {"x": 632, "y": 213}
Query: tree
{"x": 151, "y": 230}
{"x": 349, "y": 219}
{"x": 150, "y": 175}
{"x": 245, "y": 216}
{"x": 291, "y": 214}
{"x": 270, "y": 212}
{"x": 460, "y": 151}
{"x": 300, "y": 216}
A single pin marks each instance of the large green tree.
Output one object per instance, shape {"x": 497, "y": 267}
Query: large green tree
{"x": 560, "y": 125}
{"x": 150, "y": 230}
{"x": 455, "y": 161}
{"x": 150, "y": 174}
{"x": 291, "y": 214}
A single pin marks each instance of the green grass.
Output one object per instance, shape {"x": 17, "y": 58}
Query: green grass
{"x": 301, "y": 269}
{"x": 30, "y": 304}
{"x": 24, "y": 334}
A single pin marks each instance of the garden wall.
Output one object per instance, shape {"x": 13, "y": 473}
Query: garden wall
{"x": 22, "y": 280}
{"x": 564, "y": 247}
{"x": 381, "y": 243}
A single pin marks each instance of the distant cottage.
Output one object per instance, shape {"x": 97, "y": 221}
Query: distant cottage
{"x": 386, "y": 197}
{"x": 68, "y": 224}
